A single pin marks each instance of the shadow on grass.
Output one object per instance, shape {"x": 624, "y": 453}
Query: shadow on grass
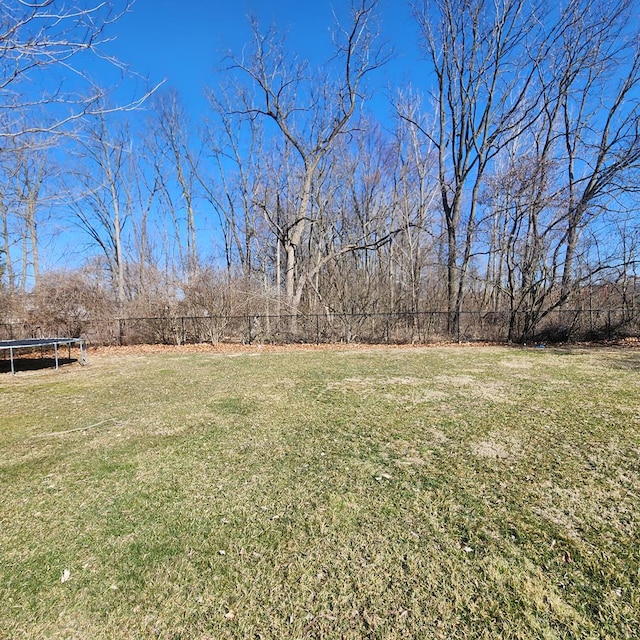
{"x": 618, "y": 356}
{"x": 33, "y": 363}
{"x": 628, "y": 361}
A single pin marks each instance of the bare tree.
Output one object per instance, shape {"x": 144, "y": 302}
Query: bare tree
{"x": 627, "y": 275}
{"x": 598, "y": 53}
{"x": 99, "y": 196}
{"x": 352, "y": 201}
{"x": 575, "y": 166}
{"x": 416, "y": 196}
{"x": 236, "y": 147}
{"x": 520, "y": 225}
{"x": 484, "y": 56}
{"x": 3, "y": 266}
{"x": 310, "y": 112}
{"x": 178, "y": 178}
{"x": 55, "y": 71}
{"x": 5, "y": 256}
{"x": 33, "y": 171}
{"x": 49, "y": 41}
{"x": 25, "y": 167}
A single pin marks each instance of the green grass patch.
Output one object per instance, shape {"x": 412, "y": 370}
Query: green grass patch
{"x": 422, "y": 493}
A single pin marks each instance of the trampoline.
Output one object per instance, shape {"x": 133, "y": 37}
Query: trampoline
{"x": 30, "y": 343}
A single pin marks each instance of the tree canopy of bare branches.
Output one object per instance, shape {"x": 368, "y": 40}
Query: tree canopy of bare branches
{"x": 505, "y": 182}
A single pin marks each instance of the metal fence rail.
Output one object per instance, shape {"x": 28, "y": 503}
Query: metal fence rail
{"x": 373, "y": 328}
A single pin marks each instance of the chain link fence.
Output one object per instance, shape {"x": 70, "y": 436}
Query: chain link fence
{"x": 366, "y": 328}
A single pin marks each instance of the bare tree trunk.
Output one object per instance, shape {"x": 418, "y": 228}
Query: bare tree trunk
{"x": 6, "y": 245}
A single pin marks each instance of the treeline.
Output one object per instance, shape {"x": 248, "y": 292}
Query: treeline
{"x": 505, "y": 183}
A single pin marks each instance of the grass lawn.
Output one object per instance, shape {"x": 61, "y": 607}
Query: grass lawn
{"x": 386, "y": 493}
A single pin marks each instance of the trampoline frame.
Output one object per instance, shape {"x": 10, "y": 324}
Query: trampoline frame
{"x": 30, "y": 343}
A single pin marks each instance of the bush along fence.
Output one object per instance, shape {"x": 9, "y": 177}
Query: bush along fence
{"x": 367, "y": 328}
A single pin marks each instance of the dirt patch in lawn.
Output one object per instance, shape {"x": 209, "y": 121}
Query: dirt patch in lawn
{"x": 497, "y": 447}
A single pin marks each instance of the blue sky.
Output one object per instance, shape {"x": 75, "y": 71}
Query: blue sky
{"x": 184, "y": 42}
